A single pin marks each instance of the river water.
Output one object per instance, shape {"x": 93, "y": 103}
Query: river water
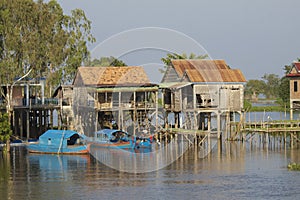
{"x": 233, "y": 170}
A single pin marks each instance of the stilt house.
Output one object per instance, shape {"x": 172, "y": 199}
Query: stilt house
{"x": 205, "y": 84}
{"x": 202, "y": 86}
{"x": 120, "y": 96}
{"x": 294, "y": 76}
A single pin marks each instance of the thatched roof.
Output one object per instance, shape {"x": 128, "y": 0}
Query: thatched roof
{"x": 111, "y": 76}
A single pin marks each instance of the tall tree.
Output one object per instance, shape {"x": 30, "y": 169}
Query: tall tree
{"x": 38, "y": 37}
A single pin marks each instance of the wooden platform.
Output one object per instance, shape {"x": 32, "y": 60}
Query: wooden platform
{"x": 267, "y": 127}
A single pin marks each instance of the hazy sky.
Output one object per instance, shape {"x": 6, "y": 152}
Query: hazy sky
{"x": 257, "y": 36}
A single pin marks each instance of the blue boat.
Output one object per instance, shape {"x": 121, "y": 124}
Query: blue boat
{"x": 112, "y": 138}
{"x": 143, "y": 142}
{"x": 59, "y": 142}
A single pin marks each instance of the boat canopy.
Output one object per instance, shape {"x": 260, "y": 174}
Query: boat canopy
{"x": 109, "y": 131}
{"x": 58, "y": 134}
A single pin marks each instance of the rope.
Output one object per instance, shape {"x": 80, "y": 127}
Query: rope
{"x": 61, "y": 141}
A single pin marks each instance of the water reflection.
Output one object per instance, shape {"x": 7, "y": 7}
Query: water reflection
{"x": 56, "y": 167}
{"x": 144, "y": 159}
{"x": 233, "y": 170}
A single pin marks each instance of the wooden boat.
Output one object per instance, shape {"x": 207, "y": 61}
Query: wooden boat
{"x": 112, "y": 138}
{"x": 59, "y": 142}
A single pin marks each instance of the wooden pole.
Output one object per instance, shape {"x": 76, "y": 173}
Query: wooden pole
{"x": 219, "y": 125}
{"x": 119, "y": 112}
{"x": 27, "y": 125}
{"x": 134, "y": 112}
{"x": 291, "y": 109}
{"x": 156, "y": 110}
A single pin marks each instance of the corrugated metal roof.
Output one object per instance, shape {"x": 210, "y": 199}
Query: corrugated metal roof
{"x": 207, "y": 71}
{"x": 97, "y": 76}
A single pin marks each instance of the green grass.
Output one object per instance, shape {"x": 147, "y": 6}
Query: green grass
{"x": 278, "y": 107}
{"x": 268, "y": 109}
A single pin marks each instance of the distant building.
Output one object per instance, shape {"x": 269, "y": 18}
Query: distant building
{"x": 294, "y": 76}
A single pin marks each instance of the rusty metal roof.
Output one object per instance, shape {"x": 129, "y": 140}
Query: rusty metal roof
{"x": 201, "y": 70}
{"x": 111, "y": 76}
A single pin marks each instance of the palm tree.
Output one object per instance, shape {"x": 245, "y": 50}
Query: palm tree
{"x": 175, "y": 56}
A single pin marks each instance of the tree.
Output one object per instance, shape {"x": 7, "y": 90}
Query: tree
{"x": 284, "y": 91}
{"x": 5, "y": 130}
{"x": 272, "y": 85}
{"x": 38, "y": 36}
{"x": 287, "y": 69}
{"x": 254, "y": 87}
{"x": 174, "y": 56}
{"x": 106, "y": 61}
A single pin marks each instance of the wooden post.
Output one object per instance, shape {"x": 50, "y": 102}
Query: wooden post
{"x": 134, "y": 112}
{"x": 291, "y": 109}
{"x": 122, "y": 119}
{"x": 58, "y": 120}
{"x": 156, "y": 110}
{"x": 219, "y": 124}
{"x": 27, "y": 125}
{"x": 227, "y": 126}
{"x": 291, "y": 140}
{"x": 119, "y": 112}
{"x": 209, "y": 122}
{"x": 176, "y": 116}
{"x": 22, "y": 124}
{"x": 45, "y": 118}
{"x": 51, "y": 118}
{"x": 96, "y": 122}
{"x": 219, "y": 149}
{"x": 267, "y": 139}
{"x": 195, "y": 121}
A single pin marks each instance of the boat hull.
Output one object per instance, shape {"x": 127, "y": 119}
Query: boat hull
{"x": 121, "y": 145}
{"x": 44, "y": 149}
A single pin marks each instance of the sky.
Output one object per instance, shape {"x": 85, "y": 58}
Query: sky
{"x": 257, "y": 36}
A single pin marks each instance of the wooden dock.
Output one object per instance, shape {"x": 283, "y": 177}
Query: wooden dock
{"x": 284, "y": 131}
{"x": 267, "y": 127}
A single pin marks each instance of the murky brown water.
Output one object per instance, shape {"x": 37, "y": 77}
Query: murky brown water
{"x": 237, "y": 172}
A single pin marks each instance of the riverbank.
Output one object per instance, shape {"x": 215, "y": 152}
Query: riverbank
{"x": 266, "y": 105}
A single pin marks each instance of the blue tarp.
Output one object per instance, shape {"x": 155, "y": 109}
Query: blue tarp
{"x": 57, "y": 134}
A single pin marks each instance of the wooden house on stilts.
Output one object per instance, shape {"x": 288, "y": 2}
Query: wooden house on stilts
{"x": 196, "y": 91}
{"x": 294, "y": 77}
{"x": 114, "y": 97}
